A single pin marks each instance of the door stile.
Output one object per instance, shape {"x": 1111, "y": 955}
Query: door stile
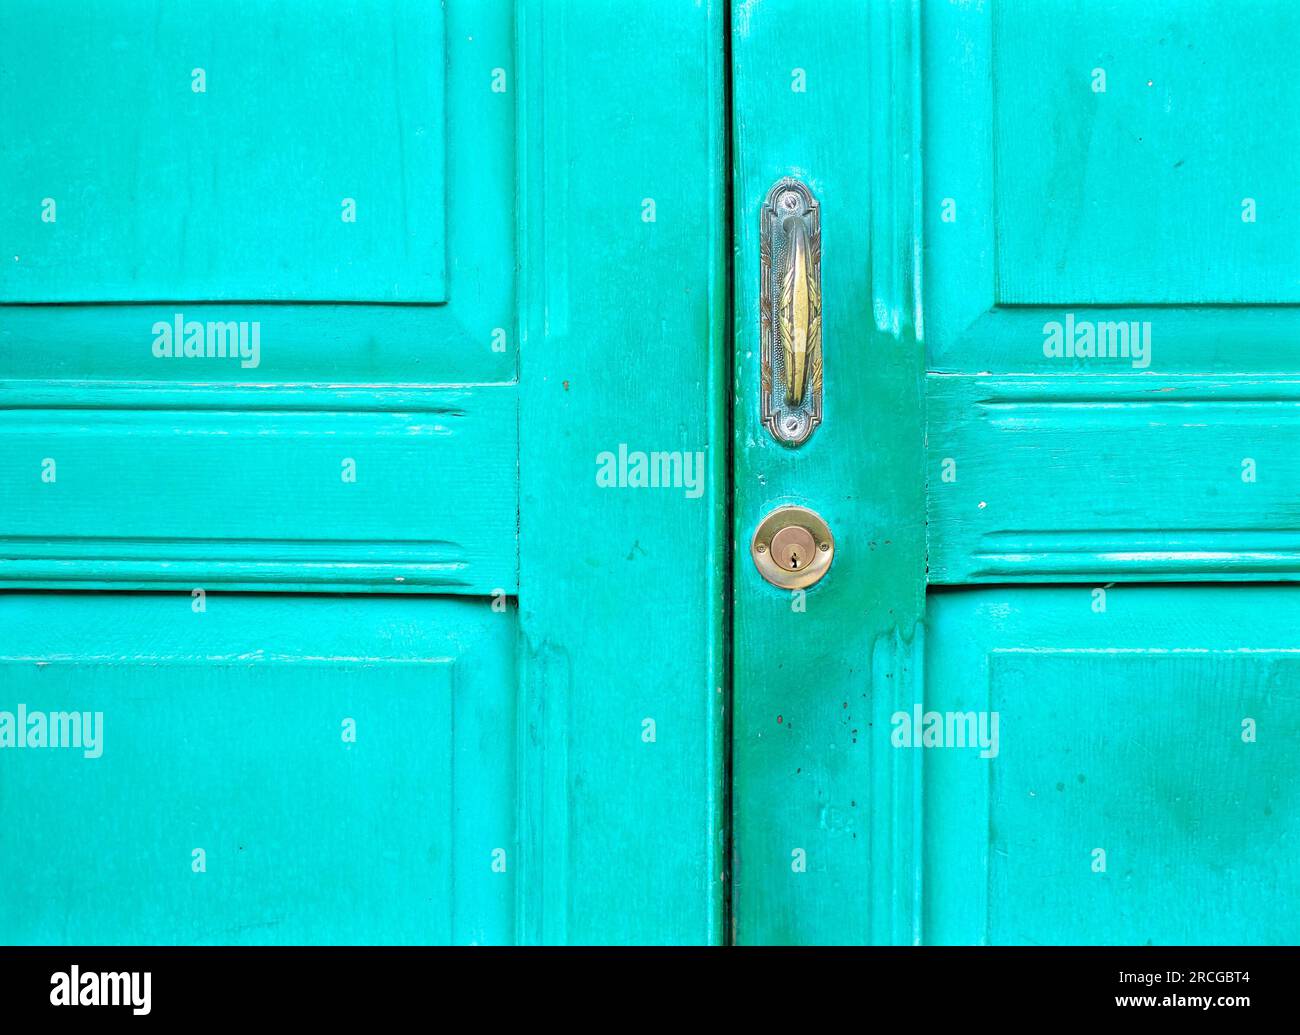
{"x": 622, "y": 589}
{"x": 826, "y": 812}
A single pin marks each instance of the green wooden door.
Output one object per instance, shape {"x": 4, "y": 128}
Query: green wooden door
{"x": 1048, "y": 690}
{"x": 367, "y": 492}
{"x": 318, "y": 325}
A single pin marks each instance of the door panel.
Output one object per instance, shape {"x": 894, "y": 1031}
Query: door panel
{"x": 1162, "y": 731}
{"x": 245, "y": 488}
{"x": 263, "y": 175}
{"x": 345, "y": 764}
{"x": 1113, "y": 476}
{"x": 1161, "y": 118}
{"x": 335, "y": 446}
{"x": 177, "y": 205}
{"x": 1045, "y": 200}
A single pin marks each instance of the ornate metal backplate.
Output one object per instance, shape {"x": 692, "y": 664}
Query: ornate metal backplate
{"x": 791, "y": 312}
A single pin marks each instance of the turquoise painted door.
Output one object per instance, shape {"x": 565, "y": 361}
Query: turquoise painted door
{"x": 318, "y": 327}
{"x": 1048, "y": 690}
{"x": 367, "y": 493}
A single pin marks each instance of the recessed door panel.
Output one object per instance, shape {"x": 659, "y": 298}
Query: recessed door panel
{"x": 1109, "y": 326}
{"x": 343, "y": 187}
{"x": 1129, "y": 141}
{"x": 1096, "y": 171}
{"x": 268, "y": 769}
{"x": 251, "y": 411}
{"x": 195, "y": 153}
{"x": 1136, "y": 788}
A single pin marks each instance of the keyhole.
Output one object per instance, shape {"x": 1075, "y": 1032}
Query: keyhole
{"x": 791, "y": 546}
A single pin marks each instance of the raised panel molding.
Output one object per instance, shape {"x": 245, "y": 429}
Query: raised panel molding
{"x": 1090, "y": 478}
{"x": 244, "y": 488}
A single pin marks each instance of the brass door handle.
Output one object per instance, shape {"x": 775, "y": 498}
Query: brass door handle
{"x": 797, "y": 315}
{"x": 791, "y": 312}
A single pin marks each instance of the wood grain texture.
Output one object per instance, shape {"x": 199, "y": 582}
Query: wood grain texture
{"x": 246, "y": 489}
{"x": 200, "y": 470}
{"x": 810, "y": 686}
{"x": 525, "y": 729}
{"x": 1121, "y": 725}
{"x": 622, "y": 590}
{"x": 1090, "y": 477}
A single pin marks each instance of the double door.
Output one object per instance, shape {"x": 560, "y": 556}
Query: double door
{"x": 599, "y": 472}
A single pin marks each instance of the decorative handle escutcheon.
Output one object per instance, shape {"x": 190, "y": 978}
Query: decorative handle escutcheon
{"x": 791, "y": 312}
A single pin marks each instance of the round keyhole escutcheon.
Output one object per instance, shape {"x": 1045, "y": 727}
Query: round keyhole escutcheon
{"x": 792, "y": 547}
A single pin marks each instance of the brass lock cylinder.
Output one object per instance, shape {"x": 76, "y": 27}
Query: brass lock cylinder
{"x": 792, "y": 547}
